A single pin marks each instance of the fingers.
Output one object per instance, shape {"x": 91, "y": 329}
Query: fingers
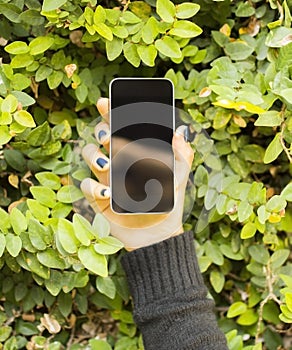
{"x": 182, "y": 150}
{"x": 97, "y": 161}
{"x": 96, "y": 193}
{"x": 103, "y": 107}
{"x": 102, "y": 134}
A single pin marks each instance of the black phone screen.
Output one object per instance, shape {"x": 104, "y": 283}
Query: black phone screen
{"x": 142, "y": 160}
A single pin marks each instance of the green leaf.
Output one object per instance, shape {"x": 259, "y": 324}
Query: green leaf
{"x": 168, "y": 47}
{"x": 217, "y": 280}
{"x": 185, "y": 29}
{"x": 20, "y": 82}
{"x": 213, "y": 252}
{"x": 5, "y": 331}
{"x": 13, "y": 244}
{"x": 55, "y": 79}
{"x": 23, "y": 98}
{"x": 4, "y": 220}
{"x": 276, "y": 203}
{"x": 67, "y": 236}
{"x": 236, "y": 309}
{"x": 35, "y": 266}
{"x": 39, "y": 211}
{"x": 96, "y": 344}
{"x": 99, "y": 15}
{"x": 40, "y": 45}
{"x": 9, "y": 104}
{"x": 24, "y": 118}
{"x": 17, "y": 47}
{"x": 287, "y": 94}
{"x": 274, "y": 149}
{"x": 114, "y": 48}
{"x": 150, "y": 31}
{"x": 49, "y": 180}
{"x": 279, "y": 257}
{"x": 82, "y": 229}
{"x": 10, "y": 11}
{"x": 15, "y": 159}
{"x": 186, "y": 10}
{"x": 106, "y": 286}
{"x": 51, "y": 259}
{"x": 129, "y": 17}
{"x": 100, "y": 226}
{"x": 50, "y": 5}
{"x": 104, "y": 31}
{"x": 120, "y": 32}
{"x": 248, "y": 230}
{"x": 44, "y": 195}
{"x": 69, "y": 194}
{"x": 131, "y": 54}
{"x": 93, "y": 261}
{"x": 147, "y": 54}
{"x": 39, "y": 135}
{"x": 245, "y": 9}
{"x": 244, "y": 210}
{"x": 287, "y": 192}
{"x": 65, "y": 303}
{"x": 166, "y": 10}
{"x": 248, "y": 318}
{"x": 37, "y": 235}
{"x": 108, "y": 245}
{"x": 270, "y": 118}
{"x": 259, "y": 253}
{"x": 5, "y": 136}
{"x": 238, "y": 50}
{"x": 288, "y": 299}
{"x": 81, "y": 92}
{"x": 42, "y": 73}
{"x": 18, "y": 221}
{"x": 2, "y": 244}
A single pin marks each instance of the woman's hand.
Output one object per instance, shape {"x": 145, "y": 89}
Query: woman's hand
{"x": 137, "y": 230}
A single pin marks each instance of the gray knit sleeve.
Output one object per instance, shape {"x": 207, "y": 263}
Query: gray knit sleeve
{"x": 171, "y": 307}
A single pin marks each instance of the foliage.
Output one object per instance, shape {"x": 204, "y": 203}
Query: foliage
{"x": 61, "y": 281}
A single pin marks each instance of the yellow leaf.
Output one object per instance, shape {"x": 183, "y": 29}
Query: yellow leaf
{"x": 274, "y": 218}
{"x": 13, "y": 180}
{"x": 225, "y": 29}
{"x": 238, "y": 120}
{"x": 205, "y": 92}
{"x": 239, "y": 106}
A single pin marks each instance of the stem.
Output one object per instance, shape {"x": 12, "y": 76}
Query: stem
{"x": 286, "y": 150}
{"x": 271, "y": 296}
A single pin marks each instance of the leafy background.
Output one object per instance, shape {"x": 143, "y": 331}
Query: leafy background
{"x": 61, "y": 282}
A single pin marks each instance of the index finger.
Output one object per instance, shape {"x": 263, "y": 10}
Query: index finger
{"x": 102, "y": 105}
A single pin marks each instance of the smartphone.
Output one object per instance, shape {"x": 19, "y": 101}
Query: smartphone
{"x": 141, "y": 155}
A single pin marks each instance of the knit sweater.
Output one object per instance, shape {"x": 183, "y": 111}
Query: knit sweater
{"x": 171, "y": 307}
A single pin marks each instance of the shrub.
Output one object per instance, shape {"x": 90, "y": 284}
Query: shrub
{"x": 231, "y": 64}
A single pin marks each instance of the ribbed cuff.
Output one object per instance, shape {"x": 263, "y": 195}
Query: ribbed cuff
{"x": 163, "y": 269}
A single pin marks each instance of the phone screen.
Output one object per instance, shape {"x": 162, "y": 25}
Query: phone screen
{"x": 142, "y": 160}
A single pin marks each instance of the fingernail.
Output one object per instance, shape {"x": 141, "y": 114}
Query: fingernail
{"x": 105, "y": 192}
{"x": 181, "y": 130}
{"x": 101, "y": 162}
{"x": 101, "y": 134}
{"x": 187, "y": 134}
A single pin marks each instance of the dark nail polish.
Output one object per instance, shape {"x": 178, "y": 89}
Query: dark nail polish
{"x": 187, "y": 134}
{"x": 101, "y": 162}
{"x": 101, "y": 134}
{"x": 102, "y": 192}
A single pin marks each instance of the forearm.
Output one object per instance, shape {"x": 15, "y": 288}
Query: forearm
{"x": 170, "y": 304}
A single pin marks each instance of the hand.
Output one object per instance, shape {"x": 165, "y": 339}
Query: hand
{"x": 137, "y": 230}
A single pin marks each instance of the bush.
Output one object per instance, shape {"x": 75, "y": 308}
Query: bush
{"x": 231, "y": 64}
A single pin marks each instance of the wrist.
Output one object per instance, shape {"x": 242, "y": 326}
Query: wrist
{"x": 148, "y": 243}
